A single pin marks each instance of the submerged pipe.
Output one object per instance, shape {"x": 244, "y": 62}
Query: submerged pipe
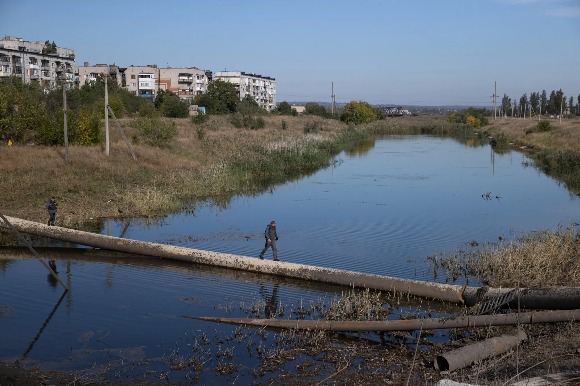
{"x": 465, "y": 356}
{"x": 406, "y": 325}
{"x": 443, "y": 292}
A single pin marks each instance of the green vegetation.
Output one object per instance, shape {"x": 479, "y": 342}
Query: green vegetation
{"x": 29, "y": 115}
{"x": 170, "y": 105}
{"x": 284, "y": 108}
{"x": 221, "y": 98}
{"x": 471, "y": 117}
{"x": 543, "y": 126}
{"x": 360, "y": 112}
{"x": 155, "y": 131}
{"x": 245, "y": 116}
{"x": 312, "y": 108}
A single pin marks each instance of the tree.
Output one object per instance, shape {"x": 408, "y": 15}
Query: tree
{"x": 535, "y": 101}
{"x": 571, "y": 103}
{"x": 544, "y": 102}
{"x": 284, "y": 108}
{"x": 524, "y": 105}
{"x": 358, "y": 112}
{"x": 170, "y": 105}
{"x": 313, "y": 108}
{"x": 221, "y": 98}
{"x": 506, "y": 103}
{"x": 49, "y": 48}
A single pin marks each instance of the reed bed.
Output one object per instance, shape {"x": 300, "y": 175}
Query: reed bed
{"x": 539, "y": 259}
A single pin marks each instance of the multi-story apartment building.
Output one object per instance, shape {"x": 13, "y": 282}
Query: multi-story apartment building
{"x": 89, "y": 74}
{"x": 186, "y": 83}
{"x": 40, "y": 62}
{"x": 141, "y": 80}
{"x": 261, "y": 88}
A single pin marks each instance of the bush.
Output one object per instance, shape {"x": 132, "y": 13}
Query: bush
{"x": 311, "y": 127}
{"x": 156, "y": 132}
{"x": 544, "y": 126}
{"x": 199, "y": 119}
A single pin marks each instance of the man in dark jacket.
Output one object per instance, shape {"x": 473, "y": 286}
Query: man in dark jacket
{"x": 271, "y": 238}
{"x": 51, "y": 207}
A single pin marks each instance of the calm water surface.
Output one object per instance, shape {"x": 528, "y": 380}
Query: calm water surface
{"x": 382, "y": 209}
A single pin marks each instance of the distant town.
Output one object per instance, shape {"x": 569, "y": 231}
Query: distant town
{"x": 52, "y": 66}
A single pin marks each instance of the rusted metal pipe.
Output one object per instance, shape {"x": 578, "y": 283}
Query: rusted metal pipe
{"x": 443, "y": 292}
{"x": 467, "y": 355}
{"x": 406, "y": 325}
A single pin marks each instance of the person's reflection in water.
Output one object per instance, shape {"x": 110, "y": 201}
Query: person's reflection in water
{"x": 270, "y": 301}
{"x": 51, "y": 279}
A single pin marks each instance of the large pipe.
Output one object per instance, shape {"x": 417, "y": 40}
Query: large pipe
{"x": 406, "y": 325}
{"x": 465, "y": 356}
{"x": 443, "y": 292}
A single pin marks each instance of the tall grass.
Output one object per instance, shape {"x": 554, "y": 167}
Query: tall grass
{"x": 540, "y": 259}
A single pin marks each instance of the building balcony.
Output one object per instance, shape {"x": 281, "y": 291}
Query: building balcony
{"x": 185, "y": 79}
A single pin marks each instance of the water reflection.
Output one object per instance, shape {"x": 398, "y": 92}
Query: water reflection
{"x": 361, "y": 148}
{"x": 270, "y": 297}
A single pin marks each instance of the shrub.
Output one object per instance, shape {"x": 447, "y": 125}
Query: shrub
{"x": 156, "y": 132}
{"x": 200, "y": 133}
{"x": 199, "y": 119}
{"x": 311, "y": 127}
{"x": 544, "y": 126}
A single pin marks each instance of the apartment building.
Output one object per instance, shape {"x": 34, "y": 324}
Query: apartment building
{"x": 38, "y": 61}
{"x": 186, "y": 83}
{"x": 261, "y": 88}
{"x": 88, "y": 74}
{"x": 141, "y": 80}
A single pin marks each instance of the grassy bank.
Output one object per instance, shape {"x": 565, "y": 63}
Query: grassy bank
{"x": 213, "y": 159}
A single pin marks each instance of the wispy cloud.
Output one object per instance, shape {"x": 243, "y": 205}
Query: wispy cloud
{"x": 566, "y": 12}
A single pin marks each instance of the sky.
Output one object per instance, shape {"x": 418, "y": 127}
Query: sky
{"x": 412, "y": 52}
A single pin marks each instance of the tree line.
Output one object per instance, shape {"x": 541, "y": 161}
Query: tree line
{"x": 539, "y": 104}
{"x": 32, "y": 114}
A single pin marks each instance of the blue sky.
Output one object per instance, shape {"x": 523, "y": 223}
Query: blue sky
{"x": 380, "y": 51}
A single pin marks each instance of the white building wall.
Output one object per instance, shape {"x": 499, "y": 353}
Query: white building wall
{"x": 261, "y": 88}
{"x": 141, "y": 80}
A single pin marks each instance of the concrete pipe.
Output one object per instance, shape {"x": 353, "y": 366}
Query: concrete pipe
{"x": 473, "y": 353}
{"x": 408, "y": 324}
{"x": 443, "y": 292}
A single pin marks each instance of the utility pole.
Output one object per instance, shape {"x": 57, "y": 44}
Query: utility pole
{"x": 494, "y": 98}
{"x": 561, "y": 106}
{"x": 65, "y": 121}
{"x": 106, "y": 114}
{"x": 332, "y": 96}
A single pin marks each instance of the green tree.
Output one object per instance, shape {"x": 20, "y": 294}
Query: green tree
{"x": 170, "y": 105}
{"x": 221, "y": 98}
{"x": 524, "y": 104}
{"x": 313, "y": 108}
{"x": 506, "y": 103}
{"x": 49, "y": 48}
{"x": 358, "y": 112}
{"x": 245, "y": 117}
{"x": 544, "y": 102}
{"x": 284, "y": 108}
{"x": 470, "y": 116}
{"x": 535, "y": 102}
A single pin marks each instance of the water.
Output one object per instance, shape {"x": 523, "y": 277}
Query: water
{"x": 383, "y": 210}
